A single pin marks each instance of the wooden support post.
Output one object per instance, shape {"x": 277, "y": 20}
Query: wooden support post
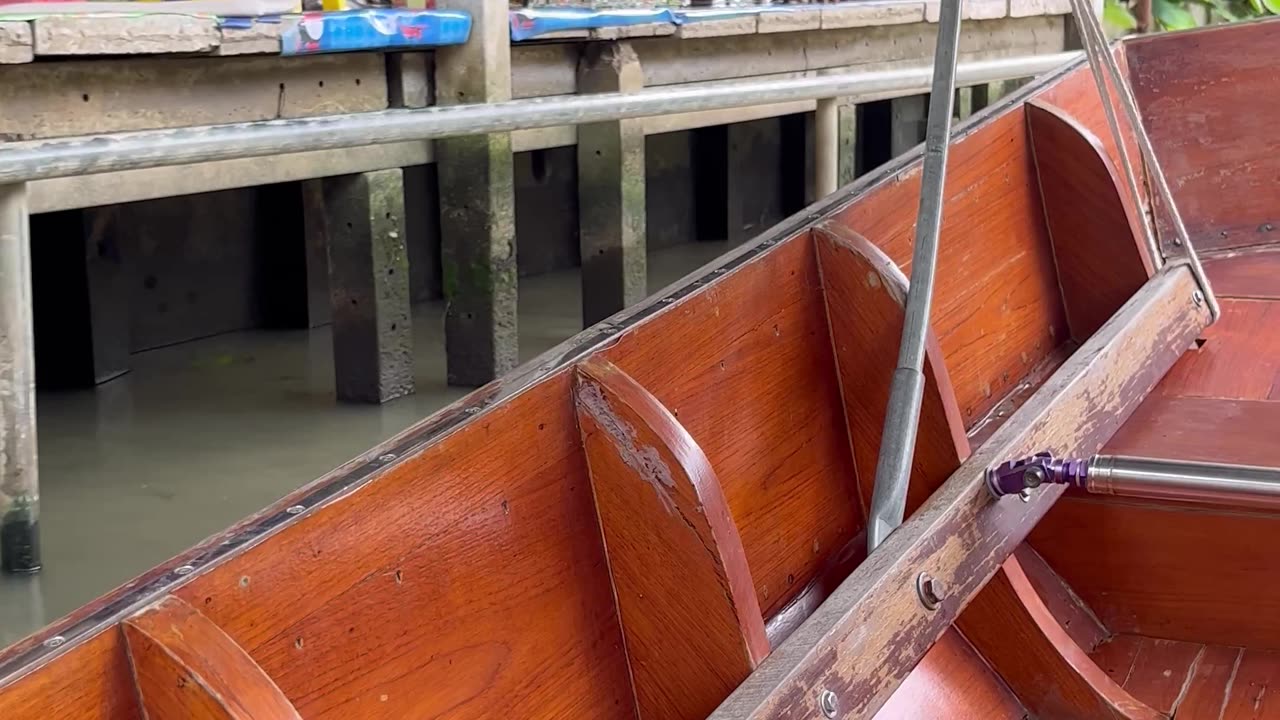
{"x": 611, "y": 189}
{"x": 477, "y": 204}
{"x": 185, "y": 666}
{"x": 909, "y": 115}
{"x": 847, "y": 164}
{"x": 363, "y": 221}
{"x": 826, "y": 147}
{"x": 19, "y": 483}
{"x": 686, "y": 600}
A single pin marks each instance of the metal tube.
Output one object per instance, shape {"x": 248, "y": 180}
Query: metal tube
{"x": 38, "y": 160}
{"x": 19, "y": 487}
{"x": 897, "y": 446}
{"x": 1236, "y": 485}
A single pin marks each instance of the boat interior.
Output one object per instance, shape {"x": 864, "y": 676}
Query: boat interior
{"x": 637, "y": 523}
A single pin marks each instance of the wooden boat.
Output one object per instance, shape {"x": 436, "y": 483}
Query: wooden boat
{"x": 664, "y": 517}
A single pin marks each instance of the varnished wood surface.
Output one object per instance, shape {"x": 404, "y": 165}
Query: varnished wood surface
{"x": 186, "y": 668}
{"x": 92, "y": 680}
{"x": 872, "y": 631}
{"x": 692, "y": 627}
{"x": 865, "y": 299}
{"x": 1253, "y": 273}
{"x": 1175, "y": 571}
{"x": 1063, "y": 604}
{"x": 746, "y": 367}
{"x": 953, "y": 682}
{"x": 1009, "y": 624}
{"x": 1191, "y": 681}
{"x": 1207, "y": 98}
{"x": 997, "y": 309}
{"x": 1096, "y": 234}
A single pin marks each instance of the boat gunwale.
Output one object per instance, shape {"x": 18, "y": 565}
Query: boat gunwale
{"x": 108, "y": 609}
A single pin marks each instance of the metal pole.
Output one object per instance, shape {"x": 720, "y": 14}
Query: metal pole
{"x": 826, "y": 147}
{"x": 19, "y": 488}
{"x": 1156, "y": 479}
{"x": 38, "y": 160}
{"x": 897, "y": 447}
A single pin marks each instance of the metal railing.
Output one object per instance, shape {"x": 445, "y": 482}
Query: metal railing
{"x": 39, "y": 160}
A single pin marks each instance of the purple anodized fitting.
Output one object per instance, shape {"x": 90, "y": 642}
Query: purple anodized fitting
{"x": 1017, "y": 476}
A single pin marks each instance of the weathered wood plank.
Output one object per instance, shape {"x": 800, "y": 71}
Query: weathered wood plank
{"x": 185, "y": 666}
{"x": 692, "y": 626}
{"x": 865, "y": 639}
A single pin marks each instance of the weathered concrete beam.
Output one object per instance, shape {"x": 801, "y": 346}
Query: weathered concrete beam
{"x": 611, "y": 189}
{"x": 909, "y": 116}
{"x": 19, "y": 483}
{"x": 362, "y": 219}
{"x": 15, "y": 43}
{"x": 477, "y": 205}
{"x": 147, "y": 34}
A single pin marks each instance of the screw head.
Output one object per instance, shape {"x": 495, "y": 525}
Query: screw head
{"x": 1177, "y": 242}
{"x": 294, "y": 509}
{"x": 1034, "y": 476}
{"x": 183, "y": 570}
{"x": 1198, "y": 297}
{"x": 55, "y": 641}
{"x": 388, "y": 457}
{"x": 930, "y": 590}
{"x": 1025, "y": 495}
{"x": 828, "y": 703}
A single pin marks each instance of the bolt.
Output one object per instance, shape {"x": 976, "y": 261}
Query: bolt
{"x": 828, "y": 703}
{"x": 183, "y": 570}
{"x": 1034, "y": 476}
{"x": 1177, "y": 241}
{"x": 1198, "y": 297}
{"x": 1025, "y": 495}
{"x": 54, "y": 641}
{"x": 294, "y": 509}
{"x": 930, "y": 590}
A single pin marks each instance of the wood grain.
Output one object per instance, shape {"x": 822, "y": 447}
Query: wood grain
{"x": 1064, "y": 605}
{"x": 1096, "y": 233}
{"x": 1116, "y": 656}
{"x": 468, "y": 576}
{"x": 997, "y": 309}
{"x": 692, "y": 627}
{"x": 1207, "y": 687}
{"x": 1193, "y": 89}
{"x": 1048, "y": 671}
{"x": 1239, "y": 358}
{"x": 186, "y": 667}
{"x": 865, "y": 299}
{"x": 1161, "y": 671}
{"x": 1254, "y": 694}
{"x": 952, "y": 681}
{"x": 92, "y": 680}
{"x": 1253, "y": 273}
{"x": 869, "y": 634}
{"x": 746, "y": 366}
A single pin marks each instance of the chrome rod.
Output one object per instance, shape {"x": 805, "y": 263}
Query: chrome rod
{"x": 1236, "y": 485}
{"x": 898, "y": 442}
{"x": 38, "y": 160}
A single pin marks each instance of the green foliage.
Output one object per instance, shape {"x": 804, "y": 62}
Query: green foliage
{"x": 1118, "y": 15}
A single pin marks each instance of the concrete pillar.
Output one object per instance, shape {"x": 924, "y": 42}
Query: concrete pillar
{"x": 477, "y": 204}
{"x": 909, "y": 117}
{"x": 611, "y": 189}
{"x": 411, "y": 84}
{"x": 363, "y": 227}
{"x": 753, "y": 186}
{"x": 847, "y": 164}
{"x": 826, "y": 147}
{"x": 19, "y": 480}
{"x": 964, "y": 103}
